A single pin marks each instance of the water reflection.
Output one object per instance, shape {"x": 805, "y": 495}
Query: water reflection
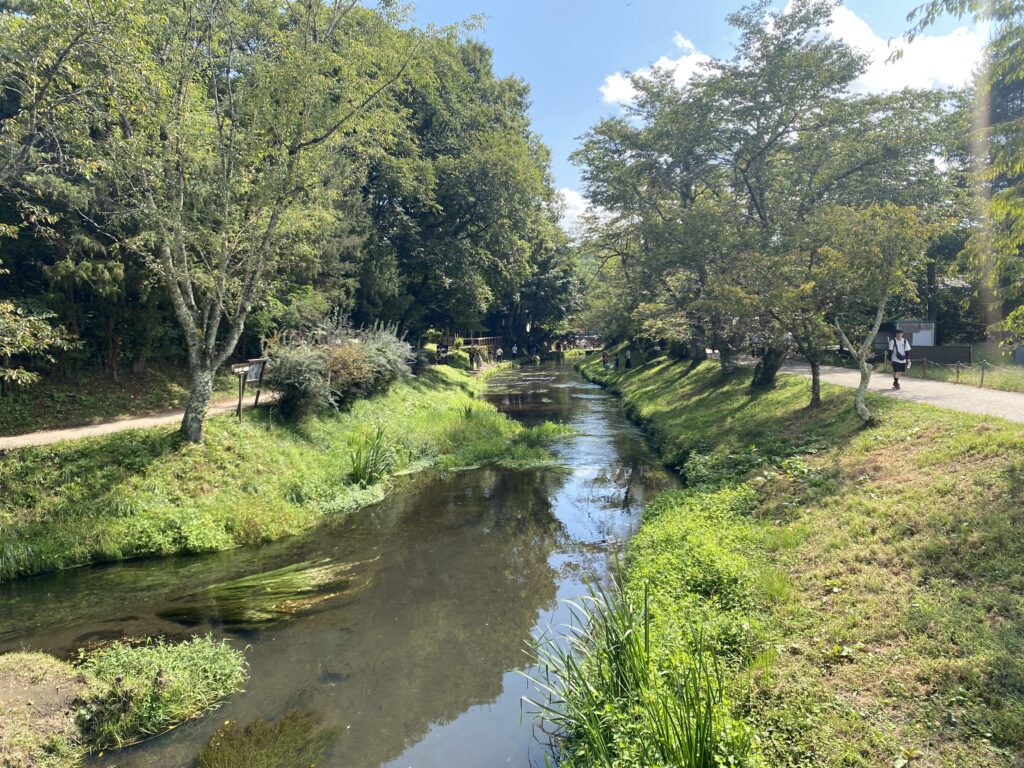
{"x": 398, "y": 630}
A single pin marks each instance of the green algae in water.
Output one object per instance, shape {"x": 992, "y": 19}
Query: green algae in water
{"x": 297, "y": 740}
{"x": 256, "y": 601}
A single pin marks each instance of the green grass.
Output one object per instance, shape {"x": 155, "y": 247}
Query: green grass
{"x": 861, "y": 589}
{"x": 142, "y": 690}
{"x": 92, "y": 396}
{"x": 54, "y": 713}
{"x": 999, "y": 374}
{"x": 145, "y": 493}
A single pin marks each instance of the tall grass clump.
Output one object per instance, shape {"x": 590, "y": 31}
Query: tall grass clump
{"x": 612, "y": 703}
{"x": 143, "y": 690}
{"x": 372, "y": 459}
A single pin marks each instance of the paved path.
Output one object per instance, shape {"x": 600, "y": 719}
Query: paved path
{"x": 163, "y": 418}
{"x": 957, "y": 397}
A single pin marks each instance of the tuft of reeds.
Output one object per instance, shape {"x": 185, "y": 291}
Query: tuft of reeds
{"x": 372, "y": 459}
{"x": 609, "y": 702}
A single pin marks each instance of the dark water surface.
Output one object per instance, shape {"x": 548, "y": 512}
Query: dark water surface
{"x": 400, "y": 628}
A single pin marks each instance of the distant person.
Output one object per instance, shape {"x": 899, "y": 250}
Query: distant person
{"x": 899, "y": 356}
{"x": 515, "y": 351}
{"x": 616, "y": 361}
{"x": 498, "y": 353}
{"x": 605, "y": 361}
{"x": 629, "y": 359}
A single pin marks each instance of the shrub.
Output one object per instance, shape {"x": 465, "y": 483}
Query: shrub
{"x": 389, "y": 356}
{"x": 144, "y": 690}
{"x": 298, "y": 373}
{"x": 334, "y": 366}
{"x": 349, "y": 373}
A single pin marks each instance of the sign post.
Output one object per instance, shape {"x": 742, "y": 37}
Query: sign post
{"x": 249, "y": 372}
{"x": 241, "y": 370}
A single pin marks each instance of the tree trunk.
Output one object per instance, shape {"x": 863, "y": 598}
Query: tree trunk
{"x": 933, "y": 292}
{"x": 815, "y": 384}
{"x": 726, "y": 357}
{"x": 767, "y": 367}
{"x": 198, "y": 403}
{"x": 862, "y": 388}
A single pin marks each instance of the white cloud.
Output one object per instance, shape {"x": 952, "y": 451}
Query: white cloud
{"x": 931, "y": 61}
{"x": 575, "y": 206}
{"x": 618, "y": 88}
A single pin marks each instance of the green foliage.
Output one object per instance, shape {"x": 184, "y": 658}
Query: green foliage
{"x": 717, "y": 196}
{"x": 372, "y": 459}
{"x": 297, "y": 740}
{"x": 334, "y": 365}
{"x": 387, "y": 354}
{"x": 145, "y": 689}
{"x": 614, "y": 702}
{"x": 297, "y": 371}
{"x": 30, "y": 336}
{"x": 329, "y": 159}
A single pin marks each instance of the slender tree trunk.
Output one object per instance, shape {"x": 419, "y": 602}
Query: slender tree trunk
{"x": 726, "y": 357}
{"x": 198, "y": 403}
{"x": 815, "y": 384}
{"x": 768, "y": 367}
{"x": 862, "y": 388}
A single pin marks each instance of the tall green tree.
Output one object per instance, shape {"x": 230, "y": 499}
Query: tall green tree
{"x": 251, "y": 123}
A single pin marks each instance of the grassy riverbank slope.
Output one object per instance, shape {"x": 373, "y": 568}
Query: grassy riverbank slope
{"x": 53, "y": 713}
{"x": 145, "y": 493}
{"x": 862, "y": 588}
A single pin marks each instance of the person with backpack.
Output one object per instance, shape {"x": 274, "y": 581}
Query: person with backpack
{"x": 899, "y": 356}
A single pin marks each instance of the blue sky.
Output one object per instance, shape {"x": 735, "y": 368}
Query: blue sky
{"x": 568, "y": 49}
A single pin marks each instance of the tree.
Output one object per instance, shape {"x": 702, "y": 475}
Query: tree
{"x": 25, "y": 334}
{"x": 251, "y": 124}
{"x": 462, "y": 208}
{"x": 872, "y": 254}
{"x": 998, "y": 147}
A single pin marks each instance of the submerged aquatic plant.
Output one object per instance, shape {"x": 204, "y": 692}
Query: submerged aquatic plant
{"x": 264, "y": 598}
{"x": 609, "y": 702}
{"x": 297, "y": 740}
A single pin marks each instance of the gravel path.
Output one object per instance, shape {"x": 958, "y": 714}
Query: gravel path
{"x": 163, "y": 418}
{"x": 956, "y": 397}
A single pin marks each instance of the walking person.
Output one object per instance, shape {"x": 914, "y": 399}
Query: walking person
{"x": 604, "y": 361}
{"x": 629, "y": 358}
{"x": 899, "y": 356}
{"x": 498, "y": 353}
{"x": 616, "y": 361}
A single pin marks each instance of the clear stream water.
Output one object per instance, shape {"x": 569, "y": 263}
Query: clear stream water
{"x": 400, "y": 628}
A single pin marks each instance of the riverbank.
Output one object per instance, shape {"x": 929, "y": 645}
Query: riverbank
{"x": 52, "y": 713}
{"x": 861, "y": 589}
{"x": 145, "y": 493}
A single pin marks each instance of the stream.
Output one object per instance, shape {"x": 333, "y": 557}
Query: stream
{"x": 401, "y": 629}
